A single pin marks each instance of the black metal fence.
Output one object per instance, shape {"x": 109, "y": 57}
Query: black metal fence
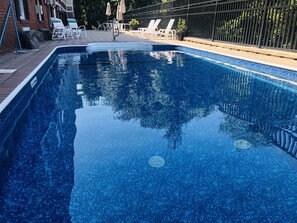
{"x": 262, "y": 23}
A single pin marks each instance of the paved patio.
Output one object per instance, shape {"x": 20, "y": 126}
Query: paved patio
{"x": 25, "y": 63}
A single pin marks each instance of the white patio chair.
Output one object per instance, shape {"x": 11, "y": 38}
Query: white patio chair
{"x": 148, "y": 30}
{"x": 151, "y": 23}
{"x": 153, "y": 28}
{"x": 59, "y": 30}
{"x": 72, "y": 23}
{"x": 101, "y": 26}
{"x": 168, "y": 32}
{"x": 106, "y": 26}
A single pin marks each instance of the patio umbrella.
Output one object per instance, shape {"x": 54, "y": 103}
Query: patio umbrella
{"x": 119, "y": 16}
{"x": 108, "y": 11}
{"x": 122, "y": 6}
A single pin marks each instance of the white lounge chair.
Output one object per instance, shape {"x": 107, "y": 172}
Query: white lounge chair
{"x": 154, "y": 27}
{"x": 72, "y": 23}
{"x": 59, "y": 30}
{"x": 148, "y": 30}
{"x": 168, "y": 32}
{"x": 151, "y": 23}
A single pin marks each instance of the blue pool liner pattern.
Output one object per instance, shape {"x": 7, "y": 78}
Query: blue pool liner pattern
{"x": 266, "y": 69}
{"x": 256, "y": 185}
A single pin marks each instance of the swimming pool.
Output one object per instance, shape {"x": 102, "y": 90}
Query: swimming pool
{"x": 152, "y": 136}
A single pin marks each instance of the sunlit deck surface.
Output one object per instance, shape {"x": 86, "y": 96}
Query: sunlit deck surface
{"x": 25, "y": 63}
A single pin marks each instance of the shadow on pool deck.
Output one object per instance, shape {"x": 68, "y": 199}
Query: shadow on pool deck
{"x": 25, "y": 63}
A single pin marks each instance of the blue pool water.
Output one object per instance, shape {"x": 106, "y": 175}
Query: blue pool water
{"x": 84, "y": 148}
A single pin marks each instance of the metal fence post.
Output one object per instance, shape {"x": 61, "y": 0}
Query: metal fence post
{"x": 214, "y": 21}
{"x": 260, "y": 23}
{"x": 263, "y": 23}
{"x": 188, "y": 8}
{"x": 171, "y": 10}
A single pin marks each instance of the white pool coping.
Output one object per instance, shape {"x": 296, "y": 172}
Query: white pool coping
{"x": 286, "y": 67}
{"x": 11, "y": 96}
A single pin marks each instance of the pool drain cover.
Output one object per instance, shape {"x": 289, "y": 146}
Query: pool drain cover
{"x": 242, "y": 144}
{"x": 156, "y": 161}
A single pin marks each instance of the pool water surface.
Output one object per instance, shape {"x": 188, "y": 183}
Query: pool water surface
{"x": 153, "y": 136}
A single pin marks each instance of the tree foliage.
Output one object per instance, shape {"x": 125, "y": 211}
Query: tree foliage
{"x": 246, "y": 26}
{"x": 88, "y": 12}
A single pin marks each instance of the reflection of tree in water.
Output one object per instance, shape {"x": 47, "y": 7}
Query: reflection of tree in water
{"x": 89, "y": 79}
{"x": 152, "y": 94}
{"x": 240, "y": 129}
{"x": 258, "y": 111}
{"x": 166, "y": 91}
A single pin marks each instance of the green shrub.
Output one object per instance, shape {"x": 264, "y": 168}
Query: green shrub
{"x": 181, "y": 25}
{"x": 133, "y": 24}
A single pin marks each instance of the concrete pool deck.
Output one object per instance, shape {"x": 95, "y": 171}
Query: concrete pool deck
{"x": 15, "y": 67}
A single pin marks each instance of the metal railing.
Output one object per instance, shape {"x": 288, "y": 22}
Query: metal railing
{"x": 115, "y": 30}
{"x": 262, "y": 23}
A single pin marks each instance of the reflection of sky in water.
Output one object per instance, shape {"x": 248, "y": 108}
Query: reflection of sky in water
{"x": 106, "y": 115}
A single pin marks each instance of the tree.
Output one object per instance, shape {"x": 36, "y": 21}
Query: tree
{"x": 88, "y": 12}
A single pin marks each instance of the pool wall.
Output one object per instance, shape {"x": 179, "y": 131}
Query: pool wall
{"x": 12, "y": 108}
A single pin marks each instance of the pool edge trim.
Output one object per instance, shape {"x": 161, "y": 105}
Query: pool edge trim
{"x": 242, "y": 58}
